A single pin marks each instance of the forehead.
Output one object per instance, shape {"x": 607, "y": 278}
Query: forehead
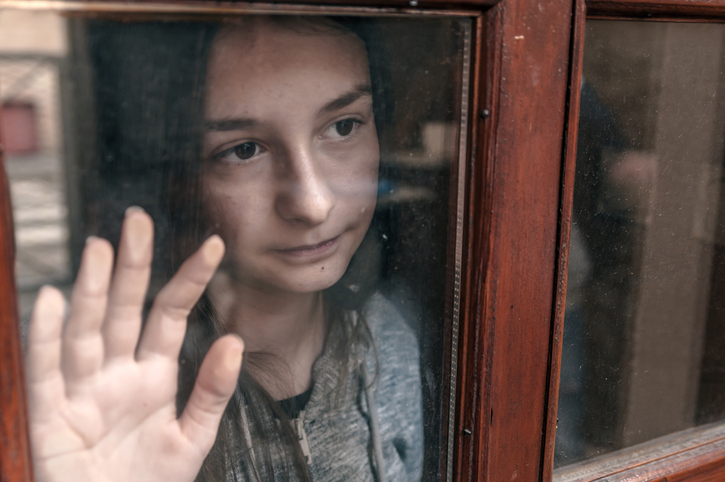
{"x": 261, "y": 55}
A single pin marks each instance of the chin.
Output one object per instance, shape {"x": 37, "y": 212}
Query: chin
{"x": 313, "y": 279}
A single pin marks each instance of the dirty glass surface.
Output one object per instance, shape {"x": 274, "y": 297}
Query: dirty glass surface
{"x": 644, "y": 334}
{"x": 100, "y": 114}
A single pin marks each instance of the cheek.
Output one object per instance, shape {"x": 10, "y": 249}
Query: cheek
{"x": 361, "y": 176}
{"x": 220, "y": 210}
{"x": 357, "y": 189}
{"x": 363, "y": 192}
{"x": 371, "y": 183}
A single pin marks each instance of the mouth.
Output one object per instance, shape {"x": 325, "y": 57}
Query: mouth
{"x": 312, "y": 251}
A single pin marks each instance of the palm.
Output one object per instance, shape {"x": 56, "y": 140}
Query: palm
{"x": 102, "y": 404}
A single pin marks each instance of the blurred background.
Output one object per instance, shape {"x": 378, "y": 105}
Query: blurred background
{"x": 644, "y": 331}
{"x": 33, "y": 47}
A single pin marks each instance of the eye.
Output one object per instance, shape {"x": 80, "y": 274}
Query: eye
{"x": 239, "y": 153}
{"x": 245, "y": 151}
{"x": 344, "y": 127}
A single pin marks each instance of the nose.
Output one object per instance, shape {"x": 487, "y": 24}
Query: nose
{"x": 305, "y": 195}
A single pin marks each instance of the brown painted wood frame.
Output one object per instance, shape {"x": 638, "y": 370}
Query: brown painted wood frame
{"x": 515, "y": 246}
{"x": 703, "y": 10}
{"x": 697, "y": 454}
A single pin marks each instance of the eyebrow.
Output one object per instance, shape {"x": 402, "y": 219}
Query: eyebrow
{"x": 347, "y": 99}
{"x": 236, "y": 124}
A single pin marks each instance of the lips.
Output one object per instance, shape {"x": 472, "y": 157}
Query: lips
{"x": 311, "y": 251}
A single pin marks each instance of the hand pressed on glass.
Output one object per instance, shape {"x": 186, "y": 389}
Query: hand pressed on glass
{"x": 101, "y": 401}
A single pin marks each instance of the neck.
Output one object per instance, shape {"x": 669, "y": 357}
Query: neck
{"x": 283, "y": 333}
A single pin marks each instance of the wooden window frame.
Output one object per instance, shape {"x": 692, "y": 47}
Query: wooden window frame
{"x": 697, "y": 454}
{"x": 520, "y": 168}
{"x": 506, "y": 296}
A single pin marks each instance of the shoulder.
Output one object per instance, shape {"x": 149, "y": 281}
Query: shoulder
{"x": 398, "y": 396}
{"x": 389, "y": 328}
{"x": 396, "y": 357}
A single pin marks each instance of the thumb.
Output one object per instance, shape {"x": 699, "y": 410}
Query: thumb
{"x": 213, "y": 388}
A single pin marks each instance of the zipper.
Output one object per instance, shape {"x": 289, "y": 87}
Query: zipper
{"x": 299, "y": 428}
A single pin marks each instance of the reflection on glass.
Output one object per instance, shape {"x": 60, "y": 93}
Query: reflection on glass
{"x": 320, "y": 150}
{"x": 644, "y": 334}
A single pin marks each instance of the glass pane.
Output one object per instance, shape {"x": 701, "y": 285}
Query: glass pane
{"x": 322, "y": 151}
{"x": 644, "y": 332}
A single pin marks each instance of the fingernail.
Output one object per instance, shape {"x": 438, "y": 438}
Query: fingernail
{"x": 233, "y": 359}
{"x": 241, "y": 341}
{"x": 91, "y": 238}
{"x": 136, "y": 231}
{"x": 214, "y": 247}
{"x": 134, "y": 209}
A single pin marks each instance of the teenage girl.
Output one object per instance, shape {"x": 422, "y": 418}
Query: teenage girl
{"x": 287, "y": 184}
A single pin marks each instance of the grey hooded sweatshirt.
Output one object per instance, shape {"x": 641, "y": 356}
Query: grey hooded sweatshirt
{"x": 380, "y": 416}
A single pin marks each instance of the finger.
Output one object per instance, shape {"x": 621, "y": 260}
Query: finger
{"x": 166, "y": 323}
{"x": 82, "y": 347}
{"x": 122, "y": 323}
{"x": 213, "y": 388}
{"x": 45, "y": 380}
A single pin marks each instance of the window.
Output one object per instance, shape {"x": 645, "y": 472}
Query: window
{"x": 627, "y": 353}
{"x": 511, "y": 192}
{"x": 306, "y": 143}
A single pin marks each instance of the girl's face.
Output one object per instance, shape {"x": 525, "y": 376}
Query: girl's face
{"x": 291, "y": 153}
